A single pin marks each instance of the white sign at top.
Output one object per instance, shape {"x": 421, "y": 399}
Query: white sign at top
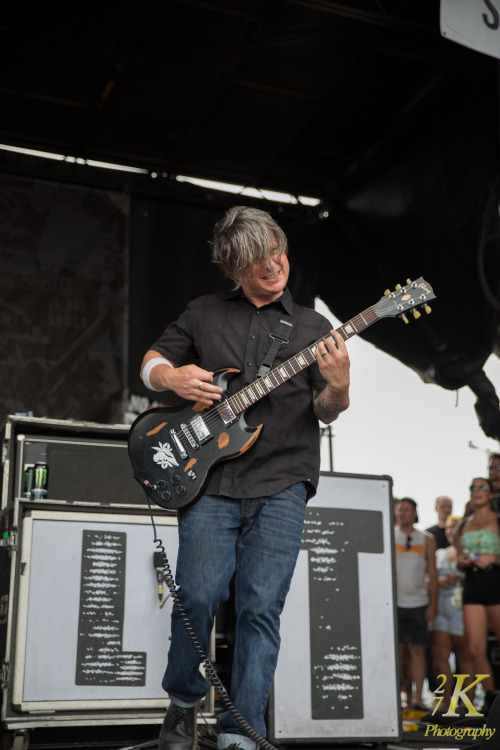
{"x": 473, "y": 23}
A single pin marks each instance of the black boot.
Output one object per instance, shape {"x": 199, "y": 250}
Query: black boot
{"x": 179, "y": 729}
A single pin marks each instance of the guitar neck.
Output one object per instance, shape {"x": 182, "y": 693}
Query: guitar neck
{"x": 262, "y": 386}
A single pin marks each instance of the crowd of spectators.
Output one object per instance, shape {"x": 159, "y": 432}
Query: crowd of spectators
{"x": 448, "y": 593}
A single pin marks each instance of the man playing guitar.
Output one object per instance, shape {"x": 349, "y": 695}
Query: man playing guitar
{"x": 248, "y": 519}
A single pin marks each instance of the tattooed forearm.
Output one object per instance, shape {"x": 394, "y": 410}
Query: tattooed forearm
{"x": 326, "y": 411}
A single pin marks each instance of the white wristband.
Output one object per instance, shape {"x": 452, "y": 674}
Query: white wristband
{"x": 146, "y": 370}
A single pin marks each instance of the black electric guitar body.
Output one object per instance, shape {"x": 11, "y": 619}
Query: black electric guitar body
{"x": 173, "y": 448}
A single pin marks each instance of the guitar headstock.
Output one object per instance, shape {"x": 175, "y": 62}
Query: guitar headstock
{"x": 411, "y": 297}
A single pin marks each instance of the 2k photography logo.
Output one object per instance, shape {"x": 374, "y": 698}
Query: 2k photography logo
{"x": 460, "y": 693}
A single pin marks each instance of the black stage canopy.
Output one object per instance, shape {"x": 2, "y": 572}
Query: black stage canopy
{"x": 361, "y": 104}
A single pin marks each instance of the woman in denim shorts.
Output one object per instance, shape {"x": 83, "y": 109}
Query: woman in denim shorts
{"x": 447, "y": 630}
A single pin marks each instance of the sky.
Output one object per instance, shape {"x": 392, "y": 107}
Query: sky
{"x": 426, "y": 438}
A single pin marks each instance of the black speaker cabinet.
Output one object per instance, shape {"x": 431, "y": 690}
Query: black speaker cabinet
{"x": 87, "y": 462}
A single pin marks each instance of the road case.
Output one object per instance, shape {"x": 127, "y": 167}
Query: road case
{"x": 84, "y": 610}
{"x": 87, "y": 462}
{"x": 337, "y": 674}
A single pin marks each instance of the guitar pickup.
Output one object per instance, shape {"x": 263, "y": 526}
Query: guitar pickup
{"x": 200, "y": 429}
{"x": 226, "y": 413}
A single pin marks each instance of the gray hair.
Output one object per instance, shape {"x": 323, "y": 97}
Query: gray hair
{"x": 245, "y": 237}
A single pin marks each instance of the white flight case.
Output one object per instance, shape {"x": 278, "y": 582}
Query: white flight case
{"x": 84, "y": 631}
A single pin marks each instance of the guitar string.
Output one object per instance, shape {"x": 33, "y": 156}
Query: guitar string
{"x": 213, "y": 415}
{"x": 358, "y": 323}
{"x": 291, "y": 367}
{"x": 251, "y": 391}
{"x": 237, "y": 399}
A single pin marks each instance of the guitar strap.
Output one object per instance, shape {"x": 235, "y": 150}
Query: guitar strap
{"x": 280, "y": 335}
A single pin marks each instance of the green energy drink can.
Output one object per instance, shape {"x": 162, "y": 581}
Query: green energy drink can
{"x": 41, "y": 482}
{"x": 29, "y": 481}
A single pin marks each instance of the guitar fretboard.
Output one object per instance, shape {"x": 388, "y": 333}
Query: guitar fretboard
{"x": 252, "y": 393}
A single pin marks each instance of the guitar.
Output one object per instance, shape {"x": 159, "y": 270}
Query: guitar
{"x": 173, "y": 448}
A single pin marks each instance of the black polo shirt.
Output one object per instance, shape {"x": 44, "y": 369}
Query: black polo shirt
{"x": 226, "y": 330}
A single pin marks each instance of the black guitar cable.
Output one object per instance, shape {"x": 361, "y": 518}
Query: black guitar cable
{"x": 210, "y": 672}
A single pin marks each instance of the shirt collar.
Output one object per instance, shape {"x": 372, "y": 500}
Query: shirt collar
{"x": 285, "y": 300}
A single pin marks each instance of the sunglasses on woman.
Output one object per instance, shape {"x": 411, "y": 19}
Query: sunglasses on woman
{"x": 475, "y": 487}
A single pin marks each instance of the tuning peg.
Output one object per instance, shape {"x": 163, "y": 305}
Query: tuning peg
{"x": 408, "y": 281}
{"x": 416, "y": 314}
{"x": 397, "y": 287}
{"x": 427, "y": 309}
{"x": 387, "y": 291}
{"x": 404, "y": 318}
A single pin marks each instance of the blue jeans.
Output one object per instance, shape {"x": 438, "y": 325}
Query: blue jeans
{"x": 257, "y": 539}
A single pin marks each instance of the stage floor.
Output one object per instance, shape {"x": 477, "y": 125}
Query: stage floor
{"x": 421, "y": 731}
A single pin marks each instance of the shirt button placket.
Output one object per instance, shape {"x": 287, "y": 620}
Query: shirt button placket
{"x": 251, "y": 349}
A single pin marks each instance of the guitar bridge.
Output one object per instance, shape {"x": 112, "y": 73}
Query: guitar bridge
{"x": 192, "y": 442}
{"x": 178, "y": 444}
